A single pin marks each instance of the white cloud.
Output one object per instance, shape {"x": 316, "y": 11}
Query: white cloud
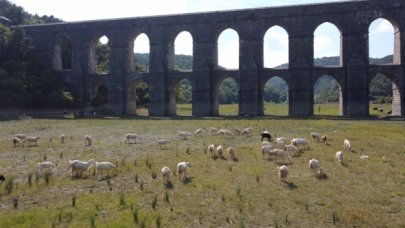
{"x": 141, "y": 44}
{"x": 228, "y": 49}
{"x": 184, "y": 44}
{"x": 381, "y": 26}
{"x": 324, "y": 47}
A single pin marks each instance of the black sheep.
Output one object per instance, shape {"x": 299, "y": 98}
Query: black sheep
{"x": 2, "y": 178}
{"x": 266, "y": 134}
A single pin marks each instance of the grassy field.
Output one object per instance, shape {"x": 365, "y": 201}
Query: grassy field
{"x": 219, "y": 193}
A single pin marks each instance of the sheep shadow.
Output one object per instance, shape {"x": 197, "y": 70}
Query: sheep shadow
{"x": 169, "y": 185}
{"x": 291, "y": 185}
{"x": 280, "y": 163}
{"x": 188, "y": 180}
{"x": 322, "y": 176}
{"x": 235, "y": 159}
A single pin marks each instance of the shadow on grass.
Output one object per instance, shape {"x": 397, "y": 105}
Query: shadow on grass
{"x": 169, "y": 185}
{"x": 291, "y": 185}
{"x": 322, "y": 176}
{"x": 188, "y": 180}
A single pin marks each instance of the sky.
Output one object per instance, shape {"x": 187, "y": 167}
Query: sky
{"x": 326, "y": 37}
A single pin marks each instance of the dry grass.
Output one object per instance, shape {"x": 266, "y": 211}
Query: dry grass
{"x": 219, "y": 193}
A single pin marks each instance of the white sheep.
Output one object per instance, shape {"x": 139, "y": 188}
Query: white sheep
{"x": 212, "y": 149}
{"x": 81, "y": 166}
{"x": 315, "y": 166}
{"x": 292, "y": 150}
{"x": 21, "y": 136}
{"x": 105, "y": 166}
{"x": 280, "y": 142}
{"x": 300, "y": 142}
{"x": 220, "y": 150}
{"x": 62, "y": 138}
{"x": 181, "y": 169}
{"x": 232, "y": 153}
{"x": 247, "y": 131}
{"x": 166, "y": 175}
{"x": 198, "y": 132}
{"x": 32, "y": 140}
{"x": 316, "y": 136}
{"x": 281, "y": 154}
{"x": 266, "y": 151}
{"x": 226, "y": 133}
{"x": 265, "y": 143}
{"x": 238, "y": 131}
{"x": 214, "y": 131}
{"x": 282, "y": 173}
{"x": 18, "y": 142}
{"x": 87, "y": 140}
{"x": 131, "y": 138}
{"x": 324, "y": 139}
{"x": 347, "y": 145}
{"x": 45, "y": 165}
{"x": 339, "y": 157}
{"x": 163, "y": 142}
{"x": 184, "y": 134}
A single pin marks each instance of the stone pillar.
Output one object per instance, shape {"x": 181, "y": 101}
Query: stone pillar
{"x": 79, "y": 77}
{"x": 204, "y": 63}
{"x": 355, "y": 56}
{"x": 301, "y": 61}
{"x": 400, "y": 51}
{"x": 160, "y": 64}
{"x": 250, "y": 63}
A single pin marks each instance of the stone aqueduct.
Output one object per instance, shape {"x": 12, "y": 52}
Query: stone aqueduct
{"x": 354, "y": 74}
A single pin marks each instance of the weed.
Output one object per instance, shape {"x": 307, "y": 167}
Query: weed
{"x": 44, "y": 156}
{"x": 238, "y": 191}
{"x": 123, "y": 160}
{"x": 9, "y": 185}
{"x": 335, "y": 218}
{"x": 47, "y": 177}
{"x": 154, "y": 175}
{"x": 73, "y": 200}
{"x": 135, "y": 162}
{"x": 148, "y": 162}
{"x": 135, "y": 215}
{"x": 93, "y": 221}
{"x": 167, "y": 197}
{"x": 122, "y": 200}
{"x": 228, "y": 220}
{"x": 15, "y": 203}
{"x": 158, "y": 221}
{"x": 154, "y": 202}
{"x": 143, "y": 225}
{"x": 61, "y": 155}
{"x": 141, "y": 186}
{"x": 30, "y": 179}
{"x": 136, "y": 178}
{"x": 223, "y": 198}
{"x": 188, "y": 150}
{"x": 230, "y": 168}
{"x": 108, "y": 181}
{"x": 60, "y": 213}
{"x": 36, "y": 177}
{"x": 257, "y": 178}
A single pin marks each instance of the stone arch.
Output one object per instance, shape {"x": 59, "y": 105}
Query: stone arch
{"x": 138, "y": 97}
{"x": 388, "y": 87}
{"x": 325, "y": 35}
{"x": 177, "y": 84}
{"x": 327, "y": 95}
{"x": 62, "y": 56}
{"x": 271, "y": 52}
{"x": 228, "y": 46}
{"x": 223, "y": 83}
{"x": 384, "y": 28}
{"x": 99, "y": 95}
{"x": 140, "y": 52}
{"x": 183, "y": 47}
{"x": 99, "y": 55}
{"x": 272, "y": 103}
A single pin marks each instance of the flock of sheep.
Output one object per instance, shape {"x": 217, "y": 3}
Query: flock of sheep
{"x": 277, "y": 149}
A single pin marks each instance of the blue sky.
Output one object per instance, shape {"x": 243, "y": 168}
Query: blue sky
{"x": 276, "y": 39}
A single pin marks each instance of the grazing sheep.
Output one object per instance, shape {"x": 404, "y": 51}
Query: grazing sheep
{"x": 32, "y": 140}
{"x": 292, "y": 150}
{"x": 281, "y": 154}
{"x": 45, "y": 165}
{"x": 87, "y": 140}
{"x": 265, "y": 143}
{"x": 280, "y": 142}
{"x": 131, "y": 138}
{"x": 214, "y": 131}
{"x": 339, "y": 157}
{"x": 21, "y": 136}
{"x": 247, "y": 131}
{"x": 238, "y": 131}
{"x": 220, "y": 150}
{"x": 266, "y": 151}
{"x": 181, "y": 169}
{"x": 298, "y": 142}
{"x": 232, "y": 153}
{"x": 212, "y": 149}
{"x": 389, "y": 113}
{"x": 316, "y": 136}
{"x": 226, "y": 133}
{"x": 282, "y": 173}
{"x": 166, "y": 175}
{"x": 184, "y": 134}
{"x": 266, "y": 135}
{"x": 314, "y": 166}
{"x": 163, "y": 142}
{"x": 198, "y": 132}
{"x": 324, "y": 139}
{"x": 2, "y": 177}
{"x": 18, "y": 142}
{"x": 62, "y": 138}
{"x": 105, "y": 166}
{"x": 347, "y": 145}
{"x": 81, "y": 166}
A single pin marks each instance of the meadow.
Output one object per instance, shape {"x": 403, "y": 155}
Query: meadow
{"x": 219, "y": 193}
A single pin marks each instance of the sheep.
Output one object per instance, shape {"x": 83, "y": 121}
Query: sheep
{"x": 291, "y": 149}
{"x": 162, "y": 142}
{"x": 21, "y": 136}
{"x": 324, "y": 139}
{"x": 220, "y": 150}
{"x": 265, "y": 143}
{"x": 105, "y": 166}
{"x": 2, "y": 177}
{"x": 18, "y": 142}
{"x": 214, "y": 131}
{"x": 87, "y": 140}
{"x": 339, "y": 157}
{"x": 266, "y": 135}
{"x": 247, "y": 131}
{"x": 316, "y": 136}
{"x": 212, "y": 149}
{"x": 298, "y": 142}
{"x": 131, "y": 138}
{"x": 281, "y": 154}
{"x": 226, "y": 133}
{"x": 347, "y": 145}
{"x": 238, "y": 131}
{"x": 266, "y": 150}
{"x": 282, "y": 173}
{"x": 81, "y": 166}
{"x": 314, "y": 166}
{"x": 181, "y": 169}
{"x": 184, "y": 134}
{"x": 45, "y": 165}
{"x": 32, "y": 140}
{"x": 232, "y": 153}
{"x": 198, "y": 132}
{"x": 62, "y": 138}
{"x": 166, "y": 175}
{"x": 279, "y": 142}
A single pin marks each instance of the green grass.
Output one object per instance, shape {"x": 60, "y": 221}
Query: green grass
{"x": 362, "y": 193}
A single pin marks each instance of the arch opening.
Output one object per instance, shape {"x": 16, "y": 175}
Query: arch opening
{"x": 226, "y": 97}
{"x": 138, "y": 98}
{"x": 228, "y": 49}
{"x": 275, "y": 48}
{"x": 183, "y": 52}
{"x": 141, "y": 53}
{"x": 327, "y": 45}
{"x": 181, "y": 98}
{"x": 275, "y": 97}
{"x": 328, "y": 97}
{"x": 385, "y": 98}
{"x": 382, "y": 42}
{"x": 100, "y": 56}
